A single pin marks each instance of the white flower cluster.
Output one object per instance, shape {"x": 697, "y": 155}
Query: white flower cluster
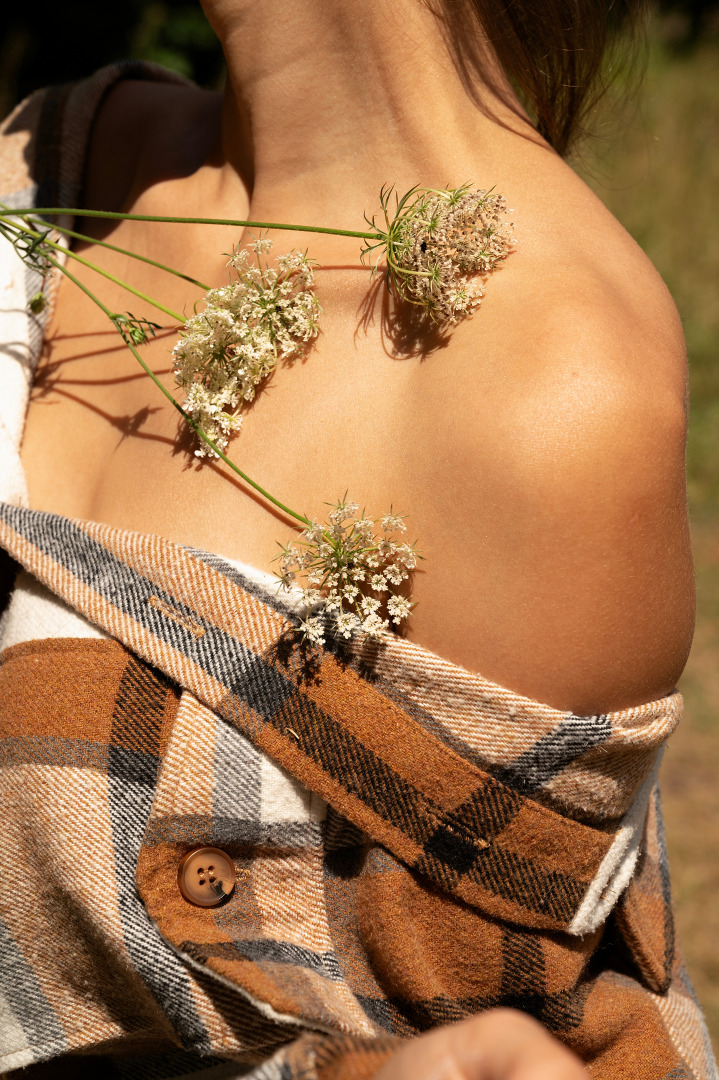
{"x": 442, "y": 245}
{"x": 346, "y": 566}
{"x": 245, "y": 327}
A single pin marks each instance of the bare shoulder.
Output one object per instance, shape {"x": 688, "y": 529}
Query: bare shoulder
{"x": 573, "y": 444}
{"x": 602, "y": 378}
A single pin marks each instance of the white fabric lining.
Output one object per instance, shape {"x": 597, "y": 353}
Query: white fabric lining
{"x": 619, "y": 863}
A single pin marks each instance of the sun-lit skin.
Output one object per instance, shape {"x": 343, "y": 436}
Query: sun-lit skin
{"x": 537, "y": 452}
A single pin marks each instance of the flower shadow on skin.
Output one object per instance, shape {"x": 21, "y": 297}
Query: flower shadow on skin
{"x": 407, "y": 331}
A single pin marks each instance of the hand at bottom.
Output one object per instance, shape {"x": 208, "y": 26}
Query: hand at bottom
{"x": 500, "y": 1044}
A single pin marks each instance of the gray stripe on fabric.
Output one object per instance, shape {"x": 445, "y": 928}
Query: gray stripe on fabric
{"x": 275, "y": 1069}
{"x": 49, "y": 750}
{"x": 680, "y": 1072}
{"x": 32, "y": 1011}
{"x": 237, "y": 787}
{"x": 13, "y": 1041}
{"x": 21, "y": 199}
{"x": 233, "y": 832}
{"x": 553, "y": 752}
{"x": 269, "y": 951}
{"x": 159, "y": 967}
{"x": 218, "y": 653}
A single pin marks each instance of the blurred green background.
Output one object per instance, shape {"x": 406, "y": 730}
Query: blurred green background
{"x": 656, "y": 165}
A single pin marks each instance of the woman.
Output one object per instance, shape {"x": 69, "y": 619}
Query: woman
{"x": 538, "y": 454}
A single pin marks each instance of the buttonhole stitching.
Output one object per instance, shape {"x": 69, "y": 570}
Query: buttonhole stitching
{"x": 169, "y": 612}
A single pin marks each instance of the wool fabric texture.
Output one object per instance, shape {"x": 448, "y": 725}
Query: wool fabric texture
{"x": 413, "y": 843}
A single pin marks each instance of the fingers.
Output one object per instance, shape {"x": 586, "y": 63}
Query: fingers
{"x": 501, "y": 1044}
{"x": 504, "y": 1044}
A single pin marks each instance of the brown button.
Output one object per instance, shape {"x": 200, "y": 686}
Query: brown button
{"x": 206, "y": 876}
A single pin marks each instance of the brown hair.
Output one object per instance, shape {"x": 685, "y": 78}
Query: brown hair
{"x": 560, "y": 55}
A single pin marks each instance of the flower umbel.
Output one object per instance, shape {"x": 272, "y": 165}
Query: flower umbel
{"x": 341, "y": 564}
{"x": 441, "y": 245}
{"x": 227, "y": 349}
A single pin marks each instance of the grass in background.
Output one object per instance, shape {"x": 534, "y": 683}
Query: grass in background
{"x": 660, "y": 177}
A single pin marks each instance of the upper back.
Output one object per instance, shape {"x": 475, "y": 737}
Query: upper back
{"x": 538, "y": 454}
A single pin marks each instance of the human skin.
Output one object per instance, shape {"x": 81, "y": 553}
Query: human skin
{"x": 539, "y": 454}
{"x": 501, "y": 1044}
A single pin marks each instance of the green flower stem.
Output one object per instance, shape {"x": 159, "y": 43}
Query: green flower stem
{"x": 62, "y": 211}
{"x": 404, "y": 270}
{"x": 186, "y": 416}
{"x": 91, "y": 266}
{"x": 124, "y": 251}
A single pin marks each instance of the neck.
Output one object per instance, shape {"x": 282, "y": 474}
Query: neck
{"x": 328, "y": 101}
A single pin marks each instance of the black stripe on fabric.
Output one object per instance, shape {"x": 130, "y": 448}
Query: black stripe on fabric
{"x": 218, "y": 653}
{"x": 364, "y": 774}
{"x": 128, "y": 767}
{"x": 561, "y": 1011}
{"x": 359, "y": 769}
{"x": 564, "y": 1011}
{"x": 574, "y": 736}
{"x": 516, "y": 878}
{"x": 452, "y": 850}
{"x": 490, "y": 808}
{"x": 386, "y": 1016}
{"x": 266, "y": 951}
{"x": 139, "y": 708}
{"x": 523, "y": 966}
{"x": 553, "y": 752}
{"x": 344, "y": 864}
{"x": 137, "y": 724}
{"x": 170, "y": 1064}
{"x": 8, "y": 572}
{"x": 426, "y": 1013}
{"x": 261, "y": 687}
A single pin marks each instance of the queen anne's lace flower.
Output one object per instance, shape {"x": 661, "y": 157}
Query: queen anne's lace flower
{"x": 441, "y": 245}
{"x": 341, "y": 564}
{"x": 245, "y": 327}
